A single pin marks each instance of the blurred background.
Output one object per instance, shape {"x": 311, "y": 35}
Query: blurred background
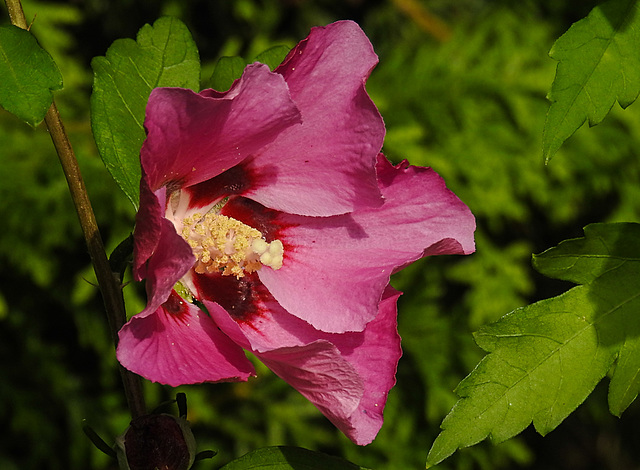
{"x": 461, "y": 86}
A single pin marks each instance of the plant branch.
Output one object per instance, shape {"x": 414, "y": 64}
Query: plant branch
{"x": 107, "y": 280}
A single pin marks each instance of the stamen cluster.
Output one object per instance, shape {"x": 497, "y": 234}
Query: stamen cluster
{"x": 226, "y": 245}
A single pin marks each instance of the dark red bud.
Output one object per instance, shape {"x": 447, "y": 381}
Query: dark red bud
{"x": 160, "y": 442}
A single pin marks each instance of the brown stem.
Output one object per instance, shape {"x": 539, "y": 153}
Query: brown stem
{"x": 107, "y": 280}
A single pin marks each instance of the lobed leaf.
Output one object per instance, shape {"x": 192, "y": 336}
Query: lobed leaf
{"x": 289, "y": 458}
{"x": 599, "y": 63}
{"x": 546, "y": 358}
{"x": 162, "y": 55}
{"x": 29, "y": 75}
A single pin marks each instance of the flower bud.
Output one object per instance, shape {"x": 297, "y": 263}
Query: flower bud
{"x": 152, "y": 442}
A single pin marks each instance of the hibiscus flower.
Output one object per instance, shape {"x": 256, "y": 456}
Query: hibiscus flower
{"x": 270, "y": 222}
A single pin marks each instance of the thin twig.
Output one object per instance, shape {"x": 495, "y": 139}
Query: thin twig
{"x": 107, "y": 280}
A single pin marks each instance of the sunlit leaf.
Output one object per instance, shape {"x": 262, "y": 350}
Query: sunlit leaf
{"x": 29, "y": 75}
{"x": 546, "y": 358}
{"x": 289, "y": 458}
{"x": 599, "y": 63}
{"x": 162, "y": 55}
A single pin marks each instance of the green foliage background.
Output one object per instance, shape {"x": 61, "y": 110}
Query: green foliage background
{"x": 471, "y": 104}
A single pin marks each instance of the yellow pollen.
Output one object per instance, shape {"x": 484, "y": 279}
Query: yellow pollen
{"x": 226, "y": 245}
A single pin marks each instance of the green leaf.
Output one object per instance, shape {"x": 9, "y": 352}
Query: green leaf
{"x": 273, "y": 56}
{"x": 288, "y": 458}
{"x": 230, "y": 68}
{"x": 163, "y": 55}
{"x": 29, "y": 75}
{"x": 599, "y": 63}
{"x": 227, "y": 70}
{"x": 546, "y": 358}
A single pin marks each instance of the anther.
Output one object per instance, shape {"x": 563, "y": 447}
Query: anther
{"x": 226, "y": 245}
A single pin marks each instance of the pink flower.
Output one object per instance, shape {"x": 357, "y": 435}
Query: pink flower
{"x": 271, "y": 205}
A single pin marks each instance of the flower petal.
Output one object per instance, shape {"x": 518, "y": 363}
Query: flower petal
{"x": 346, "y": 376}
{"x": 321, "y": 375}
{"x": 172, "y": 260}
{"x": 352, "y": 256}
{"x": 193, "y": 137}
{"x": 257, "y": 322}
{"x": 375, "y": 354}
{"x": 325, "y": 166}
{"x": 160, "y": 254}
{"x": 178, "y": 344}
{"x": 148, "y": 229}
{"x": 428, "y": 212}
{"x": 371, "y": 356}
{"x": 315, "y": 368}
